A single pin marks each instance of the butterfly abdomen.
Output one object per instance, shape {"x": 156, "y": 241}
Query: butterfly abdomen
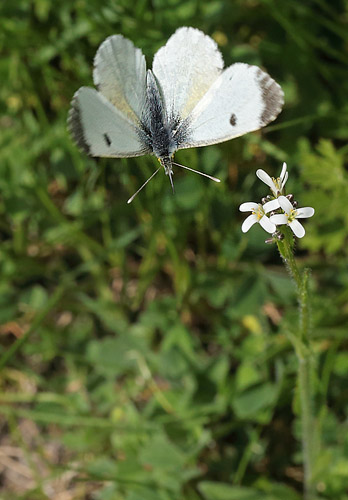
{"x": 157, "y": 131}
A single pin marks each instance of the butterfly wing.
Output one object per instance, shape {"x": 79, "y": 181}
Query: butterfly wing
{"x": 100, "y": 129}
{"x": 107, "y": 122}
{"x": 185, "y": 69}
{"x": 120, "y": 75}
{"x": 243, "y": 99}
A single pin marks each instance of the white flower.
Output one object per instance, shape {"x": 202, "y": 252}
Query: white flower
{"x": 291, "y": 215}
{"x": 259, "y": 215}
{"x": 276, "y": 185}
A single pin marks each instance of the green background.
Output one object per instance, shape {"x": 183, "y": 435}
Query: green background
{"x": 144, "y": 347}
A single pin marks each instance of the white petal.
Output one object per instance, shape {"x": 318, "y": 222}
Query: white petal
{"x": 283, "y": 172}
{"x": 279, "y": 219}
{"x": 297, "y": 228}
{"x": 249, "y": 221}
{"x": 267, "y": 225}
{"x": 248, "y": 206}
{"x": 264, "y": 177}
{"x": 285, "y": 204}
{"x": 304, "y": 212}
{"x": 285, "y": 179}
{"x": 271, "y": 205}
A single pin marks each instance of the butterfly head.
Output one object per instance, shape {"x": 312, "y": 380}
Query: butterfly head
{"x": 167, "y": 164}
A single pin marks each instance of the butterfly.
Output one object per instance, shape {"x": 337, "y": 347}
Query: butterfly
{"x": 186, "y": 100}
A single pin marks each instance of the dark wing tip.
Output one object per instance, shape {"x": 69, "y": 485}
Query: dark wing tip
{"x": 272, "y": 96}
{"x": 75, "y": 126}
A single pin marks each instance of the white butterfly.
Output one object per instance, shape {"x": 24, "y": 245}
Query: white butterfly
{"x": 187, "y": 100}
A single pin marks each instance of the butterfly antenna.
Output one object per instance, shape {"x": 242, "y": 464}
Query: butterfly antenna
{"x": 171, "y": 181}
{"x": 197, "y": 172}
{"x": 148, "y": 180}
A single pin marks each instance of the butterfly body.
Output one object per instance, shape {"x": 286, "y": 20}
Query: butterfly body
{"x": 156, "y": 128}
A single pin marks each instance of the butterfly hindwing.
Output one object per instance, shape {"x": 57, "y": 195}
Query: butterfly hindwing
{"x": 120, "y": 75}
{"x": 185, "y": 68}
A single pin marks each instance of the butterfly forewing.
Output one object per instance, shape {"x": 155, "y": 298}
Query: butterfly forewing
{"x": 100, "y": 129}
{"x": 241, "y": 100}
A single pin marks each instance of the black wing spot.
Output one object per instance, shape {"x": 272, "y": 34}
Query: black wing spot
{"x": 233, "y": 120}
{"x": 107, "y": 139}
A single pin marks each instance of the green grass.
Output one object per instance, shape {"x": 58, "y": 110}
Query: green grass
{"x": 144, "y": 348}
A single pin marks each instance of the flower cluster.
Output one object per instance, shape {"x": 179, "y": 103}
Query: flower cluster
{"x": 280, "y": 207}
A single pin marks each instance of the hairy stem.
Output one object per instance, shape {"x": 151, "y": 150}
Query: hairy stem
{"x": 301, "y": 342}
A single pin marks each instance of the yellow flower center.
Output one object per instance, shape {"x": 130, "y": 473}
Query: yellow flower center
{"x": 278, "y": 183}
{"x": 259, "y": 212}
{"x": 292, "y": 215}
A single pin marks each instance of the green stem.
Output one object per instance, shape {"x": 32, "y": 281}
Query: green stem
{"x": 307, "y": 423}
{"x": 285, "y": 248}
{"x": 301, "y": 343}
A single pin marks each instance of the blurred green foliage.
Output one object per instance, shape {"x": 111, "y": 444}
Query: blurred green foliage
{"x": 144, "y": 349}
